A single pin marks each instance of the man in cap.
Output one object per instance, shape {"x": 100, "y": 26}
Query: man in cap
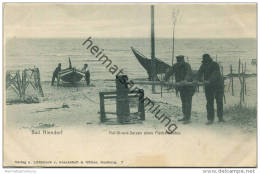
{"x": 55, "y": 73}
{"x": 214, "y": 87}
{"x": 183, "y": 72}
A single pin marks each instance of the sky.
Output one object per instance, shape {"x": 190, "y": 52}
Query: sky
{"x": 48, "y": 20}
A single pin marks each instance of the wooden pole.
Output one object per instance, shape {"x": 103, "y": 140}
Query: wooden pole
{"x": 141, "y": 104}
{"x": 102, "y": 108}
{"x": 240, "y": 103}
{"x": 222, "y": 74}
{"x": 153, "y": 47}
{"x": 239, "y": 66}
{"x": 243, "y": 83}
{"x": 19, "y": 85}
{"x": 232, "y": 80}
{"x": 245, "y": 80}
{"x": 161, "y": 85}
{"x": 40, "y": 86}
{"x": 122, "y": 101}
{"x": 173, "y": 44}
{"x": 24, "y": 83}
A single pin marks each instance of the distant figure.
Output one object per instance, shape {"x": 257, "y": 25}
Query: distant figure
{"x": 55, "y": 74}
{"x": 214, "y": 87}
{"x": 183, "y": 72}
{"x": 85, "y": 70}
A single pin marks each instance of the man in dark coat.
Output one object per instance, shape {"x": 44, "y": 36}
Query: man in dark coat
{"x": 214, "y": 87}
{"x": 55, "y": 73}
{"x": 183, "y": 72}
{"x": 85, "y": 70}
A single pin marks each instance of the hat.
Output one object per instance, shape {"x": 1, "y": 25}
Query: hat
{"x": 206, "y": 58}
{"x": 180, "y": 57}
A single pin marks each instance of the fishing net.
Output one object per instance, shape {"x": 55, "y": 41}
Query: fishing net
{"x": 23, "y": 86}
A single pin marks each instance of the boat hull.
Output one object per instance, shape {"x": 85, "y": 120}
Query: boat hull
{"x": 71, "y": 75}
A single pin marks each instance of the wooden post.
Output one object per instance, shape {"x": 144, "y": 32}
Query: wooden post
{"x": 175, "y": 17}
{"x": 24, "y": 83}
{"x": 232, "y": 80}
{"x": 122, "y": 102}
{"x": 39, "y": 82}
{"x": 245, "y": 79}
{"x": 153, "y": 48}
{"x": 102, "y": 108}
{"x": 240, "y": 103}
{"x": 243, "y": 83}
{"x": 161, "y": 86}
{"x": 141, "y": 104}
{"x": 19, "y": 85}
{"x": 222, "y": 74}
{"x": 239, "y": 67}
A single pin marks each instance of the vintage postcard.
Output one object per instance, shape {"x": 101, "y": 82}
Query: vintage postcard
{"x": 130, "y": 85}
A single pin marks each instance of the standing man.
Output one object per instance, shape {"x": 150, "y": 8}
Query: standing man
{"x": 85, "y": 70}
{"x": 214, "y": 87}
{"x": 183, "y": 73}
{"x": 55, "y": 73}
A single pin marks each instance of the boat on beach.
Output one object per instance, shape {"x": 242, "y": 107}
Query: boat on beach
{"x": 160, "y": 66}
{"x": 71, "y": 74}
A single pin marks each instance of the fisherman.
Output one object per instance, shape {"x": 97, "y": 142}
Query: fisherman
{"x": 55, "y": 73}
{"x": 85, "y": 70}
{"x": 183, "y": 73}
{"x": 214, "y": 87}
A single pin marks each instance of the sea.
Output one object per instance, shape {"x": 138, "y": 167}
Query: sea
{"x": 46, "y": 53}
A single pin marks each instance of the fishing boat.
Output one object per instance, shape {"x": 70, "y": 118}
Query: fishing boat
{"x": 160, "y": 66}
{"x": 70, "y": 75}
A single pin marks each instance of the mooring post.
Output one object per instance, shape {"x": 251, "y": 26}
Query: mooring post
{"x": 102, "y": 108}
{"x": 122, "y": 102}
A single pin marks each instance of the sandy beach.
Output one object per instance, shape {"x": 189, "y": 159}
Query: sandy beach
{"x": 74, "y": 133}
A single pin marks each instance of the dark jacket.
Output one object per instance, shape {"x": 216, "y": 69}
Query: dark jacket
{"x": 182, "y": 71}
{"x": 56, "y": 71}
{"x": 211, "y": 72}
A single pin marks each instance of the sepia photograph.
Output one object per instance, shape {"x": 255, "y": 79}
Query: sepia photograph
{"x": 129, "y": 85}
